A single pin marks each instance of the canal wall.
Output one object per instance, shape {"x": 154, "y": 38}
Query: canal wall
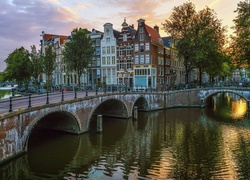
{"x": 74, "y": 116}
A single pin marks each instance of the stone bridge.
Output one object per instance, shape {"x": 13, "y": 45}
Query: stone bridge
{"x": 75, "y": 116}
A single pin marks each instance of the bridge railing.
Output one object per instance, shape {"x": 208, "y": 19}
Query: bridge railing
{"x": 31, "y": 100}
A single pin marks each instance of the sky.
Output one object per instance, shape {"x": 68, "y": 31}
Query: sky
{"x": 22, "y": 21}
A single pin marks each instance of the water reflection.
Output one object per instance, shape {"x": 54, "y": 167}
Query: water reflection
{"x": 227, "y": 107}
{"x": 170, "y": 144}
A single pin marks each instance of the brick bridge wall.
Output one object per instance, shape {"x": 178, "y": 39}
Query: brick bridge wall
{"x": 75, "y": 115}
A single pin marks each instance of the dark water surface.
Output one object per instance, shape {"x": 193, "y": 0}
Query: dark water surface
{"x": 185, "y": 143}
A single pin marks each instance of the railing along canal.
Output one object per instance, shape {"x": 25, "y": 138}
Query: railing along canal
{"x": 32, "y": 100}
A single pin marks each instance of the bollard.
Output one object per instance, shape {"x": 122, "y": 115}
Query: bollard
{"x": 29, "y": 101}
{"x": 47, "y": 98}
{"x": 96, "y": 90}
{"x": 10, "y": 110}
{"x": 135, "y": 112}
{"x": 86, "y": 93}
{"x": 105, "y": 90}
{"x": 62, "y": 95}
{"x": 75, "y": 94}
{"x": 99, "y": 123}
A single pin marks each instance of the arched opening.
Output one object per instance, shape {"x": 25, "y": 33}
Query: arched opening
{"x": 142, "y": 104}
{"x": 226, "y": 106}
{"x": 51, "y": 143}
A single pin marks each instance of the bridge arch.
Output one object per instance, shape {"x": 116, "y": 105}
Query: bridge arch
{"x": 142, "y": 104}
{"x": 60, "y": 120}
{"x": 209, "y": 95}
{"x": 110, "y": 107}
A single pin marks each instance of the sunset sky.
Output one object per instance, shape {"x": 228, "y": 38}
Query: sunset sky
{"x": 22, "y": 21}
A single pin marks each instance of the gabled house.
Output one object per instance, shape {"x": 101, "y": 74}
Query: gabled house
{"x": 108, "y": 54}
{"x": 148, "y": 57}
{"x": 125, "y": 55}
{"x": 94, "y": 69}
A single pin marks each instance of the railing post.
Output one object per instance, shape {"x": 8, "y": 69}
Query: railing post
{"x": 86, "y": 92}
{"x": 10, "y": 110}
{"x": 62, "y": 95}
{"x": 75, "y": 94}
{"x": 29, "y": 101}
{"x": 105, "y": 89}
{"x": 47, "y": 98}
{"x": 96, "y": 90}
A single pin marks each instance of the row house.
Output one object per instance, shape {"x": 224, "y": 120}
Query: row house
{"x": 108, "y": 54}
{"x": 138, "y": 58}
{"x": 94, "y": 69}
{"x": 148, "y": 57}
{"x": 56, "y": 41}
{"x": 125, "y": 55}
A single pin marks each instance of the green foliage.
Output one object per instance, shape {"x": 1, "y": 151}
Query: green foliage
{"x": 78, "y": 52}
{"x": 19, "y": 66}
{"x": 1, "y": 76}
{"x": 199, "y": 35}
{"x": 49, "y": 63}
{"x": 36, "y": 63}
{"x": 240, "y": 45}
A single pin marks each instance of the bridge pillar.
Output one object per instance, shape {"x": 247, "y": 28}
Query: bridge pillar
{"x": 99, "y": 123}
{"x": 136, "y": 112}
{"x": 248, "y": 105}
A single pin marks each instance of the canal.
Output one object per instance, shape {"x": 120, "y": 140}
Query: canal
{"x": 183, "y": 143}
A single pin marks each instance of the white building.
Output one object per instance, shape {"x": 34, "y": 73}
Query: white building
{"x": 108, "y": 54}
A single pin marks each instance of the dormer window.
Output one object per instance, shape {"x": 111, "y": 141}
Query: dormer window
{"x": 107, "y": 31}
{"x": 141, "y": 29}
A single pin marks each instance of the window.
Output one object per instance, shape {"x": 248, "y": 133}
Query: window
{"x": 107, "y": 40}
{"x": 103, "y": 50}
{"x": 136, "y": 59}
{"x": 121, "y": 51}
{"x": 141, "y": 29}
{"x": 121, "y": 64}
{"x": 147, "y": 47}
{"x": 136, "y": 48}
{"x": 112, "y": 49}
{"x": 129, "y": 64}
{"x": 113, "y": 59}
{"x": 129, "y": 50}
{"x": 141, "y": 47}
{"x": 147, "y": 59}
{"x": 104, "y": 60}
{"x": 108, "y": 60}
{"x": 97, "y": 42}
{"x": 141, "y": 37}
{"x": 141, "y": 59}
{"x": 98, "y": 51}
{"x": 125, "y": 37}
{"x": 108, "y": 50}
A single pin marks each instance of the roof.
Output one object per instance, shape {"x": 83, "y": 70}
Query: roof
{"x": 155, "y": 36}
{"x": 132, "y": 31}
{"x": 116, "y": 33}
{"x": 49, "y": 37}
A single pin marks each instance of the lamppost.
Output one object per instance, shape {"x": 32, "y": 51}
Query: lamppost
{"x": 41, "y": 54}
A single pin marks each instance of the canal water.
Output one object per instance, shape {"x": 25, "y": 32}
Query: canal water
{"x": 183, "y": 143}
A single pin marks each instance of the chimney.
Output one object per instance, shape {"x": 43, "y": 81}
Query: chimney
{"x": 132, "y": 25}
{"x": 156, "y": 28}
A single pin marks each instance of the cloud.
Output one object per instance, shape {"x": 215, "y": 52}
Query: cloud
{"x": 22, "y": 22}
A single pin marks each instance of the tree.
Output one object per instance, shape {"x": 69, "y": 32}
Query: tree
{"x": 78, "y": 52}
{"x": 49, "y": 64}
{"x": 180, "y": 27}
{"x": 36, "y": 64}
{"x": 19, "y": 66}
{"x": 209, "y": 40}
{"x": 240, "y": 45}
{"x": 199, "y": 35}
